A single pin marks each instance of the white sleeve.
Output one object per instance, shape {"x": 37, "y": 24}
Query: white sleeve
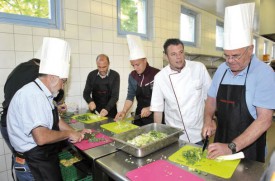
{"x": 157, "y": 100}
{"x": 207, "y": 82}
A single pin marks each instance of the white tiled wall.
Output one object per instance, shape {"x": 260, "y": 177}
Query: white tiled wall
{"x": 90, "y": 28}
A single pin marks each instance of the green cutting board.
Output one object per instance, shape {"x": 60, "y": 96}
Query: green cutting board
{"x": 89, "y": 118}
{"x": 117, "y": 128}
{"x": 224, "y": 169}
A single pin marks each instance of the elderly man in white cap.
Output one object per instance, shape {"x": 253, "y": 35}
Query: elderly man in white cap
{"x": 140, "y": 83}
{"x": 33, "y": 124}
{"x": 242, "y": 92}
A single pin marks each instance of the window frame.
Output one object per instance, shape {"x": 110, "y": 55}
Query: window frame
{"x": 255, "y": 51}
{"x": 55, "y": 22}
{"x": 220, "y": 24}
{"x": 121, "y": 32}
{"x": 191, "y": 13}
{"x": 265, "y": 47}
{"x": 273, "y": 51}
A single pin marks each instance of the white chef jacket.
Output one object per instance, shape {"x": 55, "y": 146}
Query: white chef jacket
{"x": 190, "y": 87}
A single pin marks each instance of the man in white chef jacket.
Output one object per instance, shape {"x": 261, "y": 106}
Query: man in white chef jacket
{"x": 180, "y": 90}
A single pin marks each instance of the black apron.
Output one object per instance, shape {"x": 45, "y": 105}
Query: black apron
{"x": 234, "y": 117}
{"x": 143, "y": 96}
{"x": 102, "y": 95}
{"x": 43, "y": 160}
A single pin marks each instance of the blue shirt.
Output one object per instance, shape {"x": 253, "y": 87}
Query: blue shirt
{"x": 260, "y": 84}
{"x": 29, "y": 108}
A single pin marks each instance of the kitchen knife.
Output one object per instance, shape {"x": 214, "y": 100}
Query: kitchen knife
{"x": 97, "y": 113}
{"x": 132, "y": 119}
{"x": 205, "y": 143}
{"x": 136, "y": 117}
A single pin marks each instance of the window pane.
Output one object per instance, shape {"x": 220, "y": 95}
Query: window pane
{"x": 255, "y": 45}
{"x": 187, "y": 32}
{"x": 41, "y": 13}
{"x": 265, "y": 48}
{"x": 132, "y": 16}
{"x": 272, "y": 51}
{"x": 188, "y": 29}
{"x": 38, "y": 8}
{"x": 219, "y": 35}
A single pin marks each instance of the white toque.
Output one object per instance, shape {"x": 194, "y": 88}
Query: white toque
{"x": 55, "y": 57}
{"x": 135, "y": 47}
{"x": 238, "y": 26}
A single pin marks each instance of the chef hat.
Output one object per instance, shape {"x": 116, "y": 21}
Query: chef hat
{"x": 55, "y": 57}
{"x": 135, "y": 47}
{"x": 238, "y": 24}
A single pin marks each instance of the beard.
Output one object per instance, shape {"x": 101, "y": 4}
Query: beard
{"x": 55, "y": 94}
{"x": 53, "y": 88}
{"x": 60, "y": 96}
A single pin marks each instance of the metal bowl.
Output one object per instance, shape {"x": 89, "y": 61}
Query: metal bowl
{"x": 121, "y": 139}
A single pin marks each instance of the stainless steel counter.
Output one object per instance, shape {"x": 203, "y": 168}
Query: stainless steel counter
{"x": 97, "y": 152}
{"x": 109, "y": 162}
{"x": 116, "y": 165}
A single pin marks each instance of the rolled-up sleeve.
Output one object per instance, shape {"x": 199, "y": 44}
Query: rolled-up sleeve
{"x": 132, "y": 88}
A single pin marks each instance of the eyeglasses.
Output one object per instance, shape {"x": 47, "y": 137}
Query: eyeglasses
{"x": 235, "y": 57}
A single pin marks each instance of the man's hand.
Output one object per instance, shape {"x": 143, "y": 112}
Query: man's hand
{"x": 92, "y": 106}
{"x": 75, "y": 136}
{"x": 62, "y": 108}
{"x": 218, "y": 149}
{"x": 120, "y": 115}
{"x": 83, "y": 131}
{"x": 209, "y": 129}
{"x": 103, "y": 112}
{"x": 145, "y": 112}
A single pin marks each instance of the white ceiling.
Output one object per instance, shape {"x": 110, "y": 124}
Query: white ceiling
{"x": 265, "y": 7}
{"x": 216, "y": 7}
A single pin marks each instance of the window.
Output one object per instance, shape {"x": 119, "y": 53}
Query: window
{"x": 43, "y": 13}
{"x": 219, "y": 35}
{"x": 188, "y": 22}
{"x": 255, "y": 43}
{"x": 273, "y": 51}
{"x": 132, "y": 17}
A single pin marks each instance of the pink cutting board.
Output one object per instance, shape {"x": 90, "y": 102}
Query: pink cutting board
{"x": 85, "y": 144}
{"x": 161, "y": 170}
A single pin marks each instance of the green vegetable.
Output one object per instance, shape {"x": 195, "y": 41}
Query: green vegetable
{"x": 91, "y": 137}
{"x": 83, "y": 117}
{"x": 193, "y": 156}
{"x": 147, "y": 138}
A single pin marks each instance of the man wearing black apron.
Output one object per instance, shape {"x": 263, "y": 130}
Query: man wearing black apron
{"x": 101, "y": 91}
{"x": 39, "y": 156}
{"x": 234, "y": 117}
{"x": 144, "y": 88}
{"x": 140, "y": 83}
{"x": 32, "y": 121}
{"x": 241, "y": 94}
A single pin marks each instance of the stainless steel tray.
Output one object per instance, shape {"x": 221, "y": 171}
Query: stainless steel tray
{"x": 121, "y": 139}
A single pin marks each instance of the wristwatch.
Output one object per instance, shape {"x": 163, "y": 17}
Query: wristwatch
{"x": 232, "y": 147}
